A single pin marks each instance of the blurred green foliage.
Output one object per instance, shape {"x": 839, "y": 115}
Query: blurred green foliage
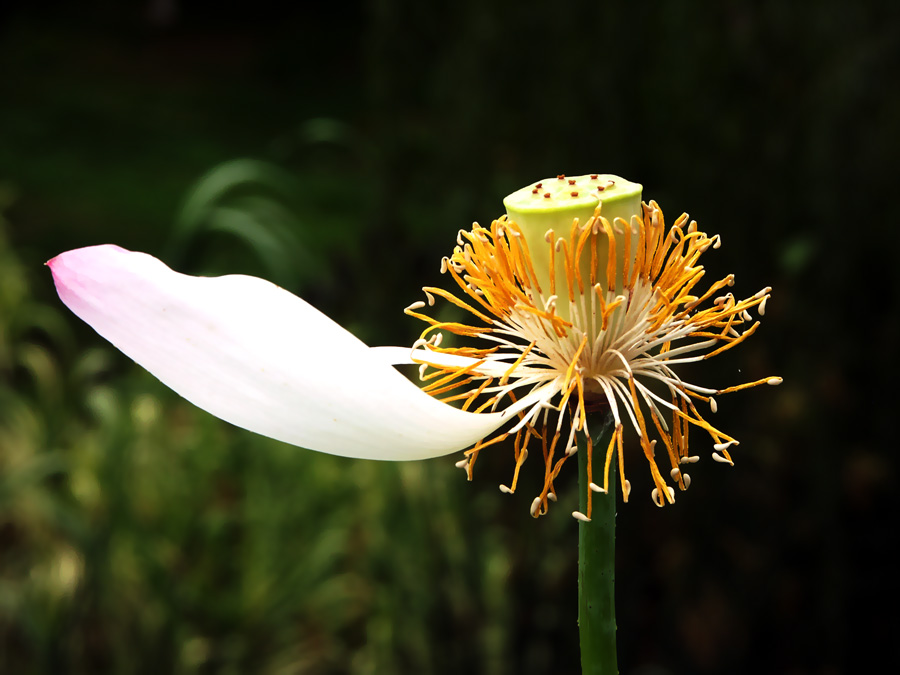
{"x": 336, "y": 149}
{"x": 140, "y": 535}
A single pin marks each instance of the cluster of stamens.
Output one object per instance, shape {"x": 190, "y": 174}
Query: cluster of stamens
{"x": 557, "y": 354}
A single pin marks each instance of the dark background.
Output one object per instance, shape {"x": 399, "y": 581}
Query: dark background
{"x": 336, "y": 149}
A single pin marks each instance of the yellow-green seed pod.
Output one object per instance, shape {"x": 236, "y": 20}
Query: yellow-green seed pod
{"x": 546, "y": 210}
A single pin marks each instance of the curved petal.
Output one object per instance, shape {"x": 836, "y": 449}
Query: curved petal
{"x": 261, "y": 358}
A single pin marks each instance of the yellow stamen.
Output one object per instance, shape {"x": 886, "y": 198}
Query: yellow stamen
{"x": 596, "y": 353}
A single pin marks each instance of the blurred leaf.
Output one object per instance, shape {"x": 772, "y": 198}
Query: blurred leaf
{"x": 251, "y": 202}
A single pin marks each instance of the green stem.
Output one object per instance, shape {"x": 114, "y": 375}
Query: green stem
{"x": 597, "y": 560}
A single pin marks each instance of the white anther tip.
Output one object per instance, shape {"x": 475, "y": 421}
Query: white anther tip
{"x": 578, "y": 515}
{"x": 551, "y": 496}
{"x": 713, "y": 406}
{"x": 596, "y": 488}
{"x": 774, "y": 381}
{"x": 687, "y": 480}
{"x": 535, "y": 505}
{"x": 675, "y": 473}
{"x": 505, "y": 490}
{"x": 719, "y": 447}
{"x": 463, "y": 463}
{"x": 418, "y": 304}
{"x": 717, "y": 457}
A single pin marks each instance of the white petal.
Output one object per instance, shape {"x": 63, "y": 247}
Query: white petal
{"x": 261, "y": 358}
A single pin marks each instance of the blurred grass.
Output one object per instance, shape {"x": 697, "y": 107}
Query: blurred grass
{"x": 140, "y": 535}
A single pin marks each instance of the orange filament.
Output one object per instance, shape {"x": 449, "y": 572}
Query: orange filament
{"x": 576, "y": 357}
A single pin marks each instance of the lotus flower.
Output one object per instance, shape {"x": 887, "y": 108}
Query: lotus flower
{"x": 580, "y": 299}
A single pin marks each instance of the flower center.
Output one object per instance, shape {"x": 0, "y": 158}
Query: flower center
{"x": 577, "y": 301}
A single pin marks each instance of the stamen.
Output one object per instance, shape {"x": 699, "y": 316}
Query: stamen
{"x": 505, "y": 490}
{"x": 578, "y": 515}
{"x": 623, "y": 326}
